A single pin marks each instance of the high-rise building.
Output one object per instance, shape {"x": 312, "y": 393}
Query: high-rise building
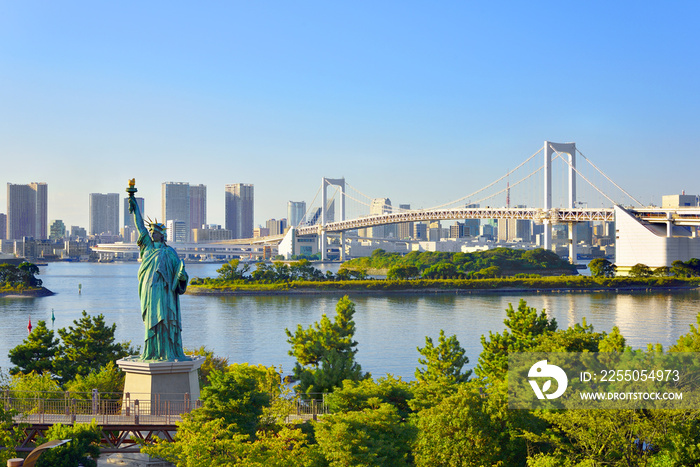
{"x": 129, "y": 217}
{"x": 27, "y": 211}
{"x": 510, "y": 230}
{"x": 420, "y": 231}
{"x": 315, "y": 217}
{"x": 471, "y": 226}
{"x": 77, "y": 232}
{"x": 3, "y": 226}
{"x": 458, "y": 230}
{"x": 276, "y": 227}
{"x": 296, "y": 213}
{"x": 175, "y": 202}
{"x": 176, "y": 231}
{"x": 58, "y": 230}
{"x": 405, "y": 229}
{"x": 198, "y": 206}
{"x": 104, "y": 213}
{"x": 239, "y": 209}
{"x": 381, "y": 206}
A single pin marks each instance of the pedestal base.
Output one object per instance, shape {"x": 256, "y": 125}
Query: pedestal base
{"x": 161, "y": 387}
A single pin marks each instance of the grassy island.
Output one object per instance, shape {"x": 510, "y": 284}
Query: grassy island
{"x": 21, "y": 280}
{"x": 518, "y": 271}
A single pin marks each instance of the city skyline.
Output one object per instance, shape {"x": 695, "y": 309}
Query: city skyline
{"x": 442, "y": 97}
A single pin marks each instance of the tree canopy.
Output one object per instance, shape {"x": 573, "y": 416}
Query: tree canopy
{"x": 325, "y": 352}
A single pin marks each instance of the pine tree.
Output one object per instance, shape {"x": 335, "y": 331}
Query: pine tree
{"x": 325, "y": 352}
{"x": 444, "y": 362}
{"x": 87, "y": 346}
{"x": 36, "y": 353}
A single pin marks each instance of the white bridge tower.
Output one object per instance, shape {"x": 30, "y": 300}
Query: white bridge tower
{"x": 549, "y": 149}
{"x": 323, "y": 246}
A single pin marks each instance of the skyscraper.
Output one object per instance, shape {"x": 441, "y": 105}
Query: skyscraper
{"x": 239, "y": 210}
{"x": 184, "y": 202}
{"x": 198, "y": 207}
{"x": 175, "y": 202}
{"x": 296, "y": 213}
{"x": 27, "y": 211}
{"x": 104, "y": 213}
{"x": 381, "y": 206}
{"x": 58, "y": 230}
{"x": 405, "y": 229}
{"x": 129, "y": 217}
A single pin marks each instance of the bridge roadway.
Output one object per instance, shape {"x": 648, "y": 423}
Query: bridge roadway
{"x": 554, "y": 216}
{"x": 254, "y": 247}
{"x": 678, "y": 216}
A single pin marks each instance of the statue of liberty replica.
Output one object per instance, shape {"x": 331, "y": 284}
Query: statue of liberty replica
{"x": 162, "y": 279}
{"x": 162, "y": 373}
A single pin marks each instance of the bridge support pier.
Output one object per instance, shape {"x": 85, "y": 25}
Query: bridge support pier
{"x": 342, "y": 246}
{"x": 547, "y": 234}
{"x": 323, "y": 245}
{"x": 573, "y": 240}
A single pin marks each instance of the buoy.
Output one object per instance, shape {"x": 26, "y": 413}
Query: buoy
{"x": 53, "y": 318}
{"x": 29, "y": 326}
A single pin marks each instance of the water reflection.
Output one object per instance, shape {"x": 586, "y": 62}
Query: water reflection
{"x": 389, "y": 327}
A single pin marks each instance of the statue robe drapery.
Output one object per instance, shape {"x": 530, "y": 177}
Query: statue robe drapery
{"x": 162, "y": 278}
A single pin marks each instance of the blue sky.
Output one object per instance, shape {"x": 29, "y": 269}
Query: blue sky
{"x": 421, "y": 102}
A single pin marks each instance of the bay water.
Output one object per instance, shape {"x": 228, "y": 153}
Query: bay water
{"x": 390, "y": 327}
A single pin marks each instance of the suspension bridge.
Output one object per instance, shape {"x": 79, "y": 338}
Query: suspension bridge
{"x": 554, "y": 201}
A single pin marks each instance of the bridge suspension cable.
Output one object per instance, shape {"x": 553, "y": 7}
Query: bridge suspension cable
{"x": 469, "y": 196}
{"x": 308, "y": 210}
{"x": 609, "y": 179}
{"x": 566, "y": 161}
{"x": 511, "y": 186}
{"x": 385, "y": 206}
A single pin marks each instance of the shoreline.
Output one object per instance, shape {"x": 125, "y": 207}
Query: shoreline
{"x": 32, "y": 293}
{"x": 436, "y": 291}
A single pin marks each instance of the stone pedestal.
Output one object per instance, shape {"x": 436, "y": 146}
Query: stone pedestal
{"x": 170, "y": 387}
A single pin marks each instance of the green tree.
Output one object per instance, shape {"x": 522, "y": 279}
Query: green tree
{"x": 403, "y": 272}
{"x": 87, "y": 345}
{"x": 459, "y": 431}
{"x": 43, "y": 385}
{"x": 211, "y": 362}
{"x": 9, "y": 437}
{"x": 689, "y": 342}
{"x": 214, "y": 444}
{"x": 28, "y": 273}
{"x": 370, "y": 437}
{"x": 82, "y": 449}
{"x": 108, "y": 380}
{"x": 19, "y": 276}
{"x": 233, "y": 270}
{"x": 36, "y": 352}
{"x": 663, "y": 271}
{"x": 444, "y": 362}
{"x": 640, "y": 270}
{"x": 525, "y": 326}
{"x": 325, "y": 352}
{"x": 577, "y": 338}
{"x": 600, "y": 437}
{"x": 356, "y": 395}
{"x": 601, "y": 267}
{"x": 235, "y": 397}
{"x": 681, "y": 269}
{"x": 442, "y": 371}
{"x": 613, "y": 342}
